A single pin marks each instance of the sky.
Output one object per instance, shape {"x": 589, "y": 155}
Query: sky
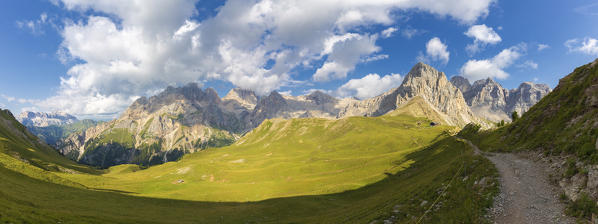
{"x": 93, "y": 58}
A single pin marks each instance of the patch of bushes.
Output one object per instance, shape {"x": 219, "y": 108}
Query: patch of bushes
{"x": 583, "y": 207}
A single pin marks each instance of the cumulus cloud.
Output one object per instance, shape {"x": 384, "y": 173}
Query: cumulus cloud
{"x": 369, "y": 86}
{"x": 587, "y": 46}
{"x": 127, "y": 49}
{"x": 493, "y": 67}
{"x": 482, "y": 36}
{"x": 435, "y": 51}
{"x": 344, "y": 54}
{"x": 542, "y": 47}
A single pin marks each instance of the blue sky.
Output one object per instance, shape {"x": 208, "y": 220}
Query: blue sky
{"x": 93, "y": 58}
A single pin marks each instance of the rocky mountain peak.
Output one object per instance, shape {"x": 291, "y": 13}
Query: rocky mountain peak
{"x": 42, "y": 119}
{"x": 433, "y": 86}
{"x": 423, "y": 70}
{"x": 245, "y": 98}
{"x": 273, "y": 101}
{"x": 320, "y": 98}
{"x": 461, "y": 83}
{"x": 488, "y": 99}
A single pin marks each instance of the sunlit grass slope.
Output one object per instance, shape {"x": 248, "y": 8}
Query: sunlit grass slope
{"x": 18, "y": 144}
{"x": 281, "y": 158}
{"x": 401, "y": 198}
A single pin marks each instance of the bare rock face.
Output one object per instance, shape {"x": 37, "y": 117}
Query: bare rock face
{"x": 488, "y": 99}
{"x": 275, "y": 105}
{"x": 41, "y": 119}
{"x": 434, "y": 87}
{"x": 157, "y": 130}
{"x": 461, "y": 83}
{"x": 525, "y": 96}
{"x": 372, "y": 107}
{"x": 423, "y": 81}
{"x": 246, "y": 99}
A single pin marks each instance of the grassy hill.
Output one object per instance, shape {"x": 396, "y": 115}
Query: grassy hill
{"x": 352, "y": 170}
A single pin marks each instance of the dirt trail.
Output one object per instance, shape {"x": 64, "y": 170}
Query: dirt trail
{"x": 526, "y": 195}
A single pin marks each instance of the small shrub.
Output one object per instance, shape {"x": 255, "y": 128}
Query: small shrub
{"x": 571, "y": 168}
{"x": 514, "y": 116}
{"x": 583, "y": 207}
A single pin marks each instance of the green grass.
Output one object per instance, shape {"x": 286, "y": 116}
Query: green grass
{"x": 283, "y": 158}
{"x": 354, "y": 170}
{"x": 18, "y": 143}
{"x": 564, "y": 121}
{"x": 397, "y": 197}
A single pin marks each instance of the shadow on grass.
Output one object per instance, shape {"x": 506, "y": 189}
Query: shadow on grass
{"x": 397, "y": 197}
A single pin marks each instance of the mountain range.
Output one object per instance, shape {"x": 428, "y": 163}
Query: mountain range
{"x": 488, "y": 99}
{"x": 186, "y": 119}
{"x": 53, "y": 127}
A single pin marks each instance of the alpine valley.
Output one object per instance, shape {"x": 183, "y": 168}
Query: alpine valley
{"x": 429, "y": 150}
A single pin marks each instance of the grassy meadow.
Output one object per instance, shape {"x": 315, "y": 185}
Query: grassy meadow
{"x": 354, "y": 170}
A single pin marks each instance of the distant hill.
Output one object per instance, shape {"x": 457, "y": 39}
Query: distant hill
{"x": 53, "y": 127}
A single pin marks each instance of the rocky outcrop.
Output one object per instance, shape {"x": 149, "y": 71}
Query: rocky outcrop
{"x": 488, "y": 99}
{"x": 41, "y": 119}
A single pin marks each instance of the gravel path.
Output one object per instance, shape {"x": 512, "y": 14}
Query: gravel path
{"x": 526, "y": 195}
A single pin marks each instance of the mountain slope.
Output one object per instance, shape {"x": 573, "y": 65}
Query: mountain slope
{"x": 18, "y": 145}
{"x": 54, "y": 134}
{"x": 434, "y": 87}
{"x": 397, "y": 198}
{"x": 156, "y": 130}
{"x": 563, "y": 126}
{"x": 564, "y": 120}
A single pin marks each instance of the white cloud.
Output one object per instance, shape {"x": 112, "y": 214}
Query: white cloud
{"x": 529, "y": 64}
{"x": 18, "y": 100}
{"x": 494, "y": 67}
{"x": 125, "y": 49}
{"x": 588, "y": 46}
{"x": 482, "y": 36}
{"x": 542, "y": 47}
{"x": 435, "y": 51}
{"x": 388, "y": 32}
{"x": 369, "y": 86}
{"x": 34, "y": 26}
{"x": 409, "y": 32}
{"x": 376, "y": 57}
{"x": 344, "y": 55}
{"x": 2, "y": 105}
